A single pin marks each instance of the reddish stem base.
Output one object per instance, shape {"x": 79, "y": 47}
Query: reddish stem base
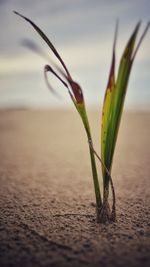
{"x": 105, "y": 215}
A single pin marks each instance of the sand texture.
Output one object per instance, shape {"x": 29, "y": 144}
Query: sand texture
{"x": 47, "y": 213}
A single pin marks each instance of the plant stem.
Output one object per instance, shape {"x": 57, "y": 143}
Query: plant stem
{"x": 95, "y": 176}
{"x": 82, "y": 111}
{"x": 106, "y": 192}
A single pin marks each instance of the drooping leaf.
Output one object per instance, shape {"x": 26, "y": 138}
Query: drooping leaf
{"x": 45, "y": 38}
{"x": 76, "y": 89}
{"x": 48, "y": 68}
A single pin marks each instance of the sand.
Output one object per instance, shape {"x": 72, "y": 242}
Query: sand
{"x": 47, "y": 213}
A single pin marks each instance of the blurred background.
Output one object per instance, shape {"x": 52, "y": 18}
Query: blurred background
{"x": 83, "y": 32}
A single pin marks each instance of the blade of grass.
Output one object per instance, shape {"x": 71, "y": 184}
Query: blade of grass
{"x": 118, "y": 97}
{"x": 82, "y": 111}
{"x": 117, "y": 101}
{"x": 106, "y": 112}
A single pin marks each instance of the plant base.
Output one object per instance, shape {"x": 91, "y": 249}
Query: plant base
{"x": 105, "y": 215}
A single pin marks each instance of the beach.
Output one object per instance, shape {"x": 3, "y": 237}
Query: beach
{"x": 47, "y": 202}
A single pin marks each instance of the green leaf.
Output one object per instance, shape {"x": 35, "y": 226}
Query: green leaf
{"x": 107, "y": 103}
{"x": 113, "y": 106}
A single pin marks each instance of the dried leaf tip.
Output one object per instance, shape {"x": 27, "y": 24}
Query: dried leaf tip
{"x": 130, "y": 45}
{"x": 141, "y": 39}
{"x": 111, "y": 80}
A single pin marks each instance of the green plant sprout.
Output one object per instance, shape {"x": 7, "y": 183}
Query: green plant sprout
{"x": 111, "y": 114}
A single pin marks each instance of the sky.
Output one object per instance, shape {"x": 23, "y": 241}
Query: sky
{"x": 83, "y": 32}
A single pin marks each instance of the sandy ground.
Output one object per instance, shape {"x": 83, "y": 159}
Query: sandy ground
{"x": 47, "y": 216}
